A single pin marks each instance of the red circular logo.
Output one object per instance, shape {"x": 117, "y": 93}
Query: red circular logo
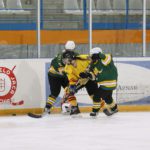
{"x": 8, "y": 83}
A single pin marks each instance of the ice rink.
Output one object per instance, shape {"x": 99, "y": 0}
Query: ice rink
{"x": 123, "y": 131}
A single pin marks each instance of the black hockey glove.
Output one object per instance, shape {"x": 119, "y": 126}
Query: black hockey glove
{"x": 95, "y": 57}
{"x": 85, "y": 75}
{"x": 72, "y": 89}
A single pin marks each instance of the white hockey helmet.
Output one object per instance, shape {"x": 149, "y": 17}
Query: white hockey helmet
{"x": 95, "y": 50}
{"x": 70, "y": 45}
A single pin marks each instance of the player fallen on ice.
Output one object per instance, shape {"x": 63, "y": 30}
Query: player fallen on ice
{"x": 104, "y": 72}
{"x": 57, "y": 77}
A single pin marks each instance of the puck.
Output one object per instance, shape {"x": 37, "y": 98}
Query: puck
{"x": 13, "y": 114}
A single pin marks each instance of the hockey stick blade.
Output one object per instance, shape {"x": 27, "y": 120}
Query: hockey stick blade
{"x": 35, "y": 115}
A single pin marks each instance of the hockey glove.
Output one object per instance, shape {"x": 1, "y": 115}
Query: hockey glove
{"x": 85, "y": 75}
{"x": 95, "y": 57}
{"x": 72, "y": 89}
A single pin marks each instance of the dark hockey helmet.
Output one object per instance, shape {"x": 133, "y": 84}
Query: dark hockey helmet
{"x": 68, "y": 54}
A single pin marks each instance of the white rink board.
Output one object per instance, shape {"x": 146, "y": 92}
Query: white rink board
{"x": 26, "y": 80}
{"x": 30, "y": 86}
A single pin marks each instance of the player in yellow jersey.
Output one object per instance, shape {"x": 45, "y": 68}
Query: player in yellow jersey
{"x": 74, "y": 65}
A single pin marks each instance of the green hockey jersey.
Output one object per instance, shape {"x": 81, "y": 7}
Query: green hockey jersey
{"x": 57, "y": 66}
{"x": 105, "y": 72}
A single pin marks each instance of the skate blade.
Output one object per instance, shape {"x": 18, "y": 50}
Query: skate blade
{"x": 65, "y": 114}
{"x": 93, "y": 117}
{"x": 76, "y": 116}
{"x": 109, "y": 113}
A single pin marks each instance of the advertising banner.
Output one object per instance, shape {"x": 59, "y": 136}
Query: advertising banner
{"x": 133, "y": 83}
{"x": 22, "y": 84}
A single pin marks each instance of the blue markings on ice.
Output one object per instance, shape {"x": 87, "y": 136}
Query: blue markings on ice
{"x": 123, "y": 131}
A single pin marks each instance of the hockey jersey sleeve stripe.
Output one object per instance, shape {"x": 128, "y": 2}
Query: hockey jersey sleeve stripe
{"x": 112, "y": 83}
{"x": 107, "y": 60}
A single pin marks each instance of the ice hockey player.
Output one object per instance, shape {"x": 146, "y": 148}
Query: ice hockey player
{"x": 74, "y": 66}
{"x": 104, "y": 72}
{"x": 56, "y": 76}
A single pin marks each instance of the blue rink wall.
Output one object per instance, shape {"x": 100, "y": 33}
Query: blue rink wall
{"x": 133, "y": 83}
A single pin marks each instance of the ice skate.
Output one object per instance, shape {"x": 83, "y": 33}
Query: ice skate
{"x": 110, "y": 111}
{"x": 93, "y": 114}
{"x": 75, "y": 112}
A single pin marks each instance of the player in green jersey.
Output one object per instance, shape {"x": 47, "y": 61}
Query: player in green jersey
{"x": 104, "y": 72}
{"x": 56, "y": 76}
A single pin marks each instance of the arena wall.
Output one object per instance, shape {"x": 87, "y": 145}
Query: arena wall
{"x": 79, "y": 36}
{"x": 24, "y": 86}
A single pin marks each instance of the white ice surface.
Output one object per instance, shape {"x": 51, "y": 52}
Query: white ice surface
{"x": 123, "y": 131}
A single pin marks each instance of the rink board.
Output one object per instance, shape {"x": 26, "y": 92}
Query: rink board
{"x": 126, "y": 108}
{"x": 24, "y": 86}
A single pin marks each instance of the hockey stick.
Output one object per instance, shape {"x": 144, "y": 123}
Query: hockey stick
{"x": 33, "y": 115}
{"x": 37, "y": 115}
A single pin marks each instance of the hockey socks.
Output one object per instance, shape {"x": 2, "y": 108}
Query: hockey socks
{"x": 50, "y": 102}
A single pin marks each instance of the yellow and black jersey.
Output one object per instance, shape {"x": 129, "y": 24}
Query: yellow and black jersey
{"x": 81, "y": 64}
